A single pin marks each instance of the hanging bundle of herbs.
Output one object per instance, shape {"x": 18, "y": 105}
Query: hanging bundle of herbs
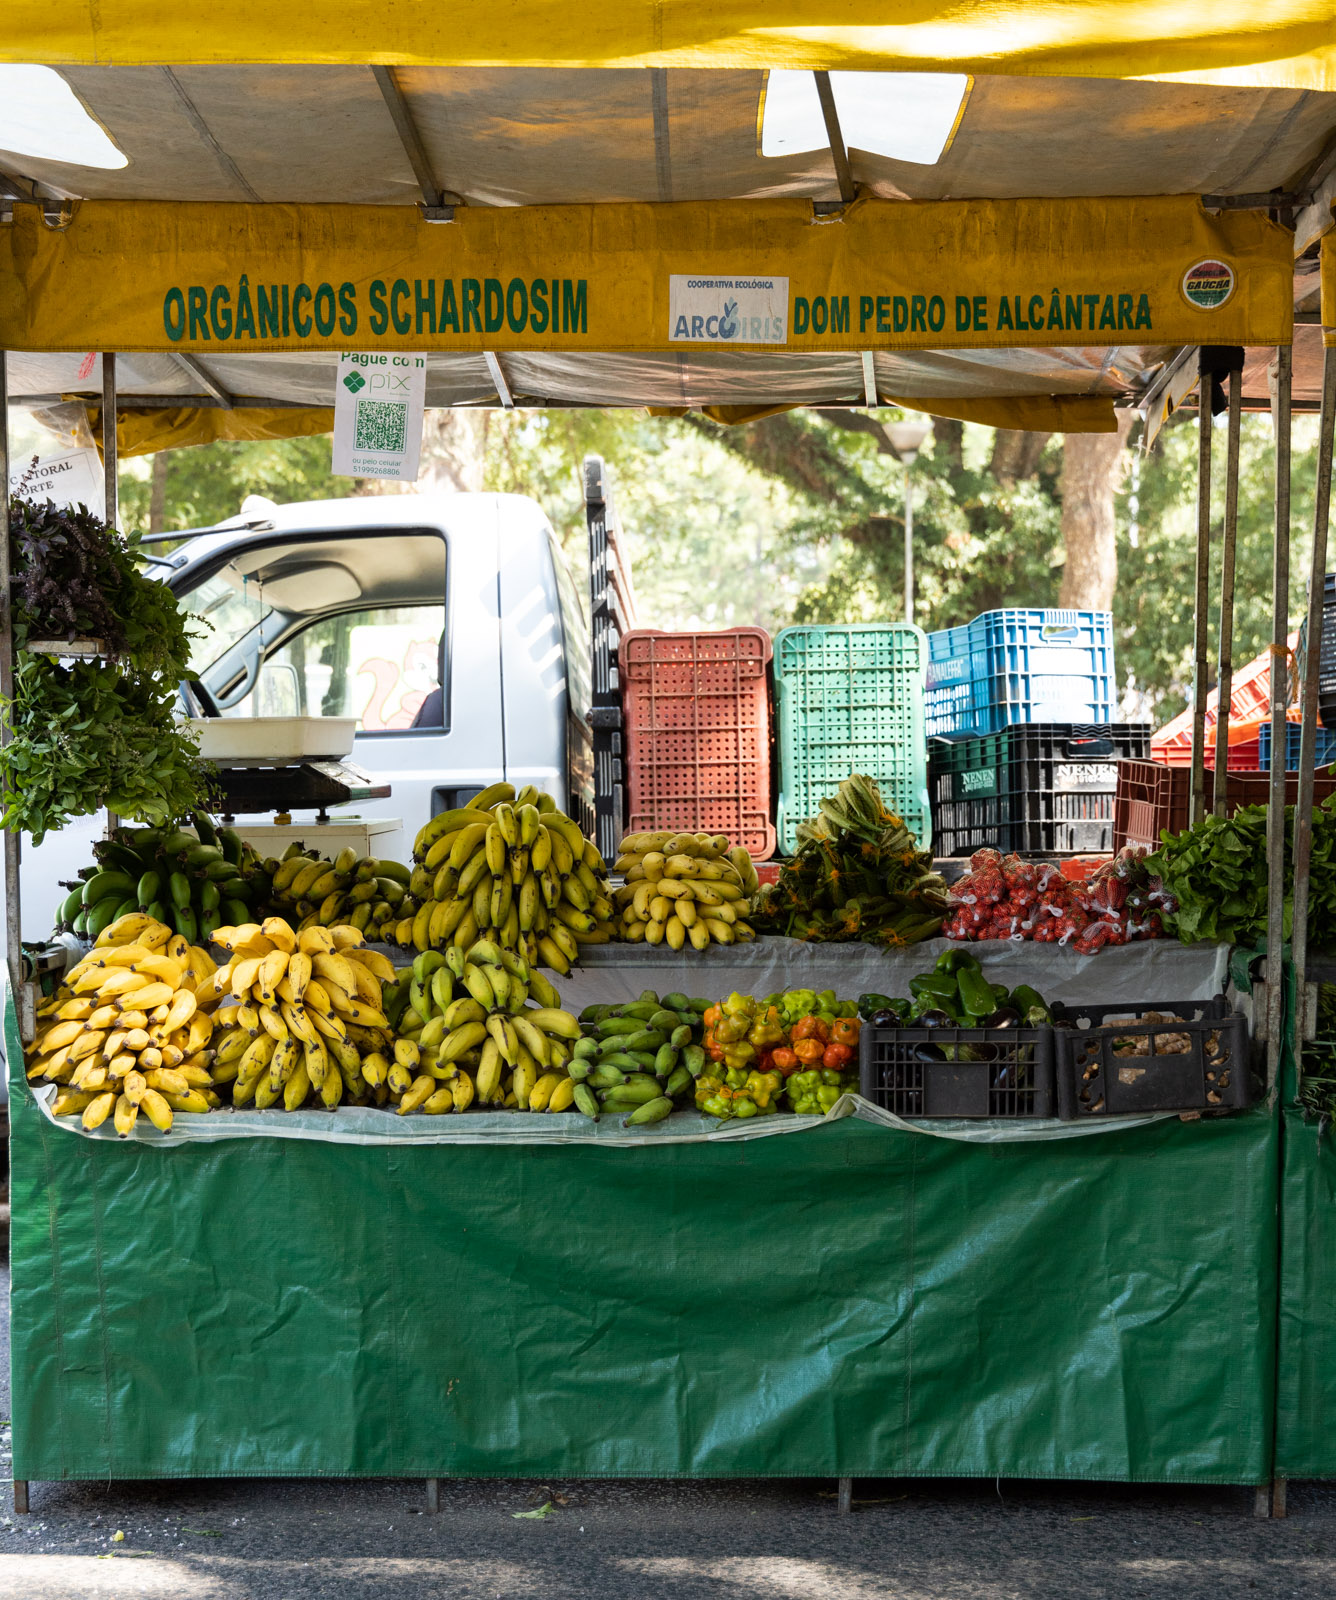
{"x": 88, "y": 734}
{"x": 857, "y": 874}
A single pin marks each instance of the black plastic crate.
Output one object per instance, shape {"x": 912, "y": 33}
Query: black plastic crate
{"x": 1017, "y": 1080}
{"x": 1036, "y": 788}
{"x": 1326, "y": 667}
{"x": 1111, "y": 1062}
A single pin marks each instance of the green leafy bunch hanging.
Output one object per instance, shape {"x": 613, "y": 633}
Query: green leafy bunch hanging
{"x": 84, "y": 734}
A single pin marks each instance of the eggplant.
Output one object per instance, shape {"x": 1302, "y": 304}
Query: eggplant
{"x": 928, "y": 1053}
{"x": 1003, "y": 1017}
{"x": 884, "y": 1019}
{"x": 936, "y": 1019}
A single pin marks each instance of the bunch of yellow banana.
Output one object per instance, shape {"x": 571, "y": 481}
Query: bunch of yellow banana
{"x": 365, "y": 893}
{"x": 684, "y": 887}
{"x": 302, "y": 1019}
{"x": 131, "y": 1029}
{"x": 510, "y": 868}
{"x": 478, "y": 1039}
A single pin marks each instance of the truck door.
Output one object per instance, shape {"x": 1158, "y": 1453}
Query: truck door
{"x": 397, "y": 628}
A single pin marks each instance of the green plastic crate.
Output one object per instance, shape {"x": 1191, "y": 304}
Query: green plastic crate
{"x": 850, "y": 699}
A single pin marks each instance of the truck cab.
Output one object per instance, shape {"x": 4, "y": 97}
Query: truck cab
{"x": 449, "y": 626}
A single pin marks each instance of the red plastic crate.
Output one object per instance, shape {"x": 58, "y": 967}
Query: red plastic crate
{"x": 696, "y": 709}
{"x": 1152, "y": 796}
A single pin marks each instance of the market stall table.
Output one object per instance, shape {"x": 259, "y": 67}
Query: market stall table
{"x": 848, "y": 1299}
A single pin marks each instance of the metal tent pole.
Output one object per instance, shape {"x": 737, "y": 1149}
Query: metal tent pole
{"x": 1225, "y": 677}
{"x": 1280, "y": 631}
{"x": 13, "y": 839}
{"x": 909, "y": 544}
{"x": 1303, "y": 809}
{"x": 1201, "y": 605}
{"x": 109, "y": 463}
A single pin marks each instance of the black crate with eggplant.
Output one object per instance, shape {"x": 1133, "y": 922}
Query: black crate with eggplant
{"x": 959, "y": 1046}
{"x": 1167, "y": 1055}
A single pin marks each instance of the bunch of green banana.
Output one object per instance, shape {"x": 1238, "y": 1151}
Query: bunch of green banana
{"x": 468, "y": 1017}
{"x": 362, "y": 892}
{"x": 684, "y": 886}
{"x": 303, "y": 1020}
{"x": 192, "y": 880}
{"x": 513, "y": 869}
{"x": 642, "y": 1058}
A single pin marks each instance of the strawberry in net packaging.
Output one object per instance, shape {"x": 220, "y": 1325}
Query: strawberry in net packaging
{"x": 1007, "y": 897}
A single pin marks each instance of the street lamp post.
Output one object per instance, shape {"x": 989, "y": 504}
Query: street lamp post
{"x": 906, "y": 439}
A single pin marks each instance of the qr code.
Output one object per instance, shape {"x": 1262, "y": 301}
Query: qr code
{"x": 379, "y": 426}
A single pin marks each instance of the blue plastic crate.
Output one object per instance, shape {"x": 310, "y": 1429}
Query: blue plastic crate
{"x": 1326, "y": 746}
{"x": 850, "y": 699}
{"x": 1010, "y": 666}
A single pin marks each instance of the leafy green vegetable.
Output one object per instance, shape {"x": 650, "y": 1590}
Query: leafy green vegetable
{"x": 1317, "y": 1084}
{"x": 1217, "y": 873}
{"x": 88, "y": 734}
{"x": 857, "y": 874}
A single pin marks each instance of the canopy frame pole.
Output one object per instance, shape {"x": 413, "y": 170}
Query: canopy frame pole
{"x": 196, "y": 368}
{"x": 109, "y": 462}
{"x": 1303, "y": 808}
{"x": 438, "y": 205}
{"x": 22, "y": 996}
{"x": 1280, "y": 621}
{"x": 838, "y": 153}
{"x": 1225, "y": 676}
{"x": 498, "y": 376}
{"x": 869, "y": 379}
{"x": 1201, "y": 603}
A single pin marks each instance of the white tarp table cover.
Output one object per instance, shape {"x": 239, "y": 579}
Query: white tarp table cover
{"x": 1136, "y": 974}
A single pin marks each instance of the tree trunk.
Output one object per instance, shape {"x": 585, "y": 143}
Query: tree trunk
{"x": 949, "y": 438}
{"x": 1091, "y": 469}
{"x": 1016, "y": 455}
{"x": 454, "y": 451}
{"x": 157, "y": 494}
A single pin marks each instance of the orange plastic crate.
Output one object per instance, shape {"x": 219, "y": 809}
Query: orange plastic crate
{"x": 696, "y": 710}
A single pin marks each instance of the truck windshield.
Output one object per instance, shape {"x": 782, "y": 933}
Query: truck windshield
{"x": 382, "y": 664}
{"x": 220, "y": 614}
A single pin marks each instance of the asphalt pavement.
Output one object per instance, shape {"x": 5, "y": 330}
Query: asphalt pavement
{"x": 360, "y": 1539}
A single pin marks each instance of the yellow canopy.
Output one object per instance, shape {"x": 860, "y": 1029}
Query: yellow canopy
{"x": 140, "y": 433}
{"x": 690, "y": 278}
{"x": 1056, "y": 413}
{"x": 1242, "y": 42}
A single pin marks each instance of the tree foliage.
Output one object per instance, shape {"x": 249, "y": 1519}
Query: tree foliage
{"x": 800, "y": 517}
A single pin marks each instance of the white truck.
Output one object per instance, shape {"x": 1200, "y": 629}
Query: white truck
{"x": 449, "y": 626}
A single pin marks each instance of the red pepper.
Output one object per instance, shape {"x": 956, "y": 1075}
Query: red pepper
{"x": 808, "y": 1028}
{"x": 835, "y": 1056}
{"x": 809, "y": 1049}
{"x": 844, "y": 1030}
{"x": 784, "y": 1060}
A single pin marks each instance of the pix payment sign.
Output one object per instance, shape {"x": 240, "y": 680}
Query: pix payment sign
{"x": 378, "y": 406}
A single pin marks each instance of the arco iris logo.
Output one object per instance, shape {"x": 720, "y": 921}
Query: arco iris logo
{"x": 1208, "y": 284}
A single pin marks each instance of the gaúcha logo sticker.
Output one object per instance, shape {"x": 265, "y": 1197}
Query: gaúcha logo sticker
{"x": 1208, "y": 284}
{"x": 354, "y": 381}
